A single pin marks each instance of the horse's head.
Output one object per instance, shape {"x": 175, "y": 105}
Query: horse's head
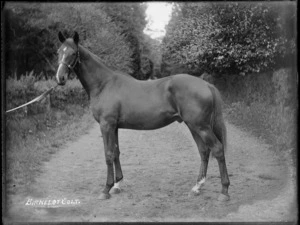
{"x": 68, "y": 57}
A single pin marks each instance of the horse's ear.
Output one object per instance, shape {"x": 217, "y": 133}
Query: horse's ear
{"x": 76, "y": 38}
{"x": 61, "y": 37}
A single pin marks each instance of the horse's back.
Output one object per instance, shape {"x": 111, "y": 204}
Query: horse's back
{"x": 191, "y": 87}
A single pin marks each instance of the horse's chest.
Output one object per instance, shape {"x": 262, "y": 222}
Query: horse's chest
{"x": 103, "y": 108}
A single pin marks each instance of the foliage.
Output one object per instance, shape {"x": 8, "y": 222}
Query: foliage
{"x": 20, "y": 91}
{"x": 146, "y": 67}
{"x": 151, "y": 49}
{"x": 230, "y": 38}
{"x": 131, "y": 20}
{"x": 26, "y": 47}
{"x": 101, "y": 37}
{"x": 270, "y": 111}
{"x": 112, "y": 31}
{"x": 32, "y": 140}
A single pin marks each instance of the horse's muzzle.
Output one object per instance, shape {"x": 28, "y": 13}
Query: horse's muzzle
{"x": 62, "y": 81}
{"x": 62, "y": 74}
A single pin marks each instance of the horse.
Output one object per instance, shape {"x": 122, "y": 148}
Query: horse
{"x": 119, "y": 101}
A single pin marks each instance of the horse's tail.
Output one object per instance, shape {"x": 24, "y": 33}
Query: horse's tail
{"x": 217, "y": 120}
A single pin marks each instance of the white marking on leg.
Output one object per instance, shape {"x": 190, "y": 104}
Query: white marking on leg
{"x": 117, "y": 185}
{"x": 198, "y": 185}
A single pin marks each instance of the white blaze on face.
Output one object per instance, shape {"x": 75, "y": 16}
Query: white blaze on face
{"x": 60, "y": 65}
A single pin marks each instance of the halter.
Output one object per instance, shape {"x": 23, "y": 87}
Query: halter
{"x": 71, "y": 67}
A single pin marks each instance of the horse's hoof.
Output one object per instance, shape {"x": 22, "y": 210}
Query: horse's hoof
{"x": 115, "y": 190}
{"x": 104, "y": 196}
{"x": 223, "y": 198}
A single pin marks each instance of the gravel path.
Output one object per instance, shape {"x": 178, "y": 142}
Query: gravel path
{"x": 160, "y": 167}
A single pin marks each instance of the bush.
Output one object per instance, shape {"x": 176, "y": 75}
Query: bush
{"x": 231, "y": 38}
{"x": 276, "y": 124}
{"x": 111, "y": 31}
{"x": 31, "y": 138}
{"x": 71, "y": 93}
{"x": 267, "y": 105}
{"x": 20, "y": 91}
{"x": 27, "y": 88}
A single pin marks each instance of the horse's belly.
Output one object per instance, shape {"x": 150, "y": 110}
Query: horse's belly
{"x": 148, "y": 121}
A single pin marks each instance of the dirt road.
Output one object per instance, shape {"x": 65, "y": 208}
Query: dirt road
{"x": 160, "y": 167}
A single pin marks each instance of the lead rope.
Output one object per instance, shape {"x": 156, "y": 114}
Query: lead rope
{"x": 39, "y": 98}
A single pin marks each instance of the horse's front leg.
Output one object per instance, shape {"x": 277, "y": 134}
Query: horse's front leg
{"x": 119, "y": 175}
{"x": 109, "y": 140}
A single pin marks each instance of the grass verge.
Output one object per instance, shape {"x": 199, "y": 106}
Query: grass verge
{"x": 273, "y": 123}
{"x": 33, "y": 139}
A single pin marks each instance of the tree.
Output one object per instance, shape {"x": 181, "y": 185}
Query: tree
{"x": 229, "y": 38}
{"x": 130, "y": 19}
{"x": 26, "y": 48}
{"x": 151, "y": 49}
{"x": 32, "y": 30}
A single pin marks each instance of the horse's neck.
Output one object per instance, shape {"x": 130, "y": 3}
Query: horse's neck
{"x": 92, "y": 73}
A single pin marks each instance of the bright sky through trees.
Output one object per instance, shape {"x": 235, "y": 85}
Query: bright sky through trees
{"x": 158, "y": 16}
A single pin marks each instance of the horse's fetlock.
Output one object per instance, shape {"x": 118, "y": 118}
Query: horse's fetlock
{"x": 109, "y": 186}
{"x": 118, "y": 179}
{"x": 226, "y": 183}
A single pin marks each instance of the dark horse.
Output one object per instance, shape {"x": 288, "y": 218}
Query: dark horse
{"x": 120, "y": 101}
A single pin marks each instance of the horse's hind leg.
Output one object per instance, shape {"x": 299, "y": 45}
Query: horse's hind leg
{"x": 118, "y": 171}
{"x": 109, "y": 140}
{"x": 204, "y": 154}
{"x": 217, "y": 149}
